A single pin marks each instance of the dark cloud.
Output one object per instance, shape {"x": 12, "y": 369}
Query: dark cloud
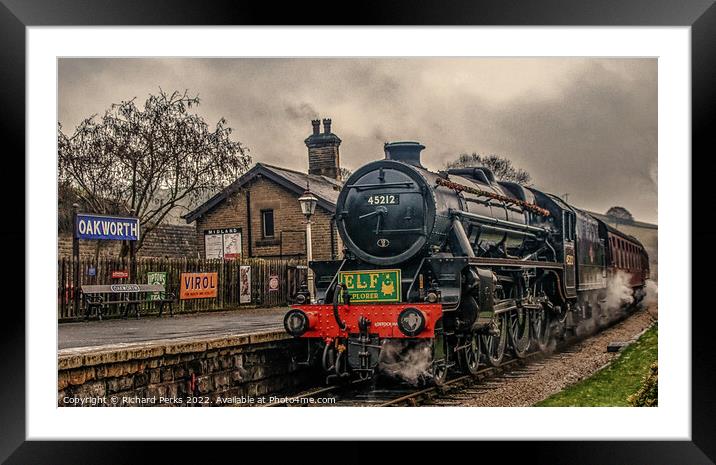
{"x": 587, "y": 127}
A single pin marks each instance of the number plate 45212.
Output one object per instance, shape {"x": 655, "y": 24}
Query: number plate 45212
{"x": 384, "y": 199}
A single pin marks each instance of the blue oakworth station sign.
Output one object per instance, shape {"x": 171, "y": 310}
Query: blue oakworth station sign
{"x": 107, "y": 227}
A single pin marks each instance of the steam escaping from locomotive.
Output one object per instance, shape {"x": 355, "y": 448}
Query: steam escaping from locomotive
{"x": 619, "y": 292}
{"x": 649, "y": 297}
{"x": 587, "y": 327}
{"x": 651, "y": 294}
{"x": 408, "y": 363}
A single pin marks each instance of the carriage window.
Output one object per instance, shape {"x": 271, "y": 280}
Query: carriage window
{"x": 612, "y": 251}
{"x": 633, "y": 257}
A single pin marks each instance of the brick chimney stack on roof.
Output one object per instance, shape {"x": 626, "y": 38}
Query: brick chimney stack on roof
{"x": 323, "y": 155}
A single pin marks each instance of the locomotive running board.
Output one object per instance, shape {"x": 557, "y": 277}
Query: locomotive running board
{"x": 511, "y": 262}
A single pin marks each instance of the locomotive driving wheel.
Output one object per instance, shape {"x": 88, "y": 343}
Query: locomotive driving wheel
{"x": 542, "y": 330}
{"x": 519, "y": 330}
{"x": 439, "y": 365}
{"x": 470, "y": 354}
{"x": 494, "y": 344}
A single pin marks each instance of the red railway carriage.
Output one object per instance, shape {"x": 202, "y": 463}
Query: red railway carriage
{"x": 626, "y": 254}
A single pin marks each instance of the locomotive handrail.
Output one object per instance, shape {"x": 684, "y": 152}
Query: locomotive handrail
{"x": 498, "y": 222}
{"x": 336, "y": 295}
{"x": 404, "y": 184}
{"x": 403, "y": 231}
{"x": 498, "y": 229}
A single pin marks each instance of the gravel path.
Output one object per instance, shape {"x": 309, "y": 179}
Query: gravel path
{"x": 562, "y": 370}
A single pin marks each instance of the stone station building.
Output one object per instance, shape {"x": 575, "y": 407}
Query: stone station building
{"x": 258, "y": 215}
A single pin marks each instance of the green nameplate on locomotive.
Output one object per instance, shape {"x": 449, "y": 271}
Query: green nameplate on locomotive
{"x": 372, "y": 286}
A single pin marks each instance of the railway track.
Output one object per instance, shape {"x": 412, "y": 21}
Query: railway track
{"x": 366, "y": 394}
{"x": 451, "y": 393}
{"x": 462, "y": 382}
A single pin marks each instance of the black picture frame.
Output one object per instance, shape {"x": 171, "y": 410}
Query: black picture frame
{"x": 16, "y": 15}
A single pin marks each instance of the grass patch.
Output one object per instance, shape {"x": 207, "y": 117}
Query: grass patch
{"x": 611, "y": 386}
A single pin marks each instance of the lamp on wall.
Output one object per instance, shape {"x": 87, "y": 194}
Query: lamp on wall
{"x": 308, "y": 203}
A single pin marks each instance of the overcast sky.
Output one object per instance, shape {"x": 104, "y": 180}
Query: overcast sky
{"x": 587, "y": 127}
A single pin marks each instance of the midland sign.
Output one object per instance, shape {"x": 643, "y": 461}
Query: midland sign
{"x": 372, "y": 286}
{"x": 106, "y": 227}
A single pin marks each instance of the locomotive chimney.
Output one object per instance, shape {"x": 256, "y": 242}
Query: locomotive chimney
{"x": 407, "y": 152}
{"x": 323, "y": 156}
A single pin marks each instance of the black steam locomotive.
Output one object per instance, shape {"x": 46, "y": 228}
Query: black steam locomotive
{"x": 457, "y": 264}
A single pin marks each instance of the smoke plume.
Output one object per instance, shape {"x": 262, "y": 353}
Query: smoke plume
{"x": 302, "y": 112}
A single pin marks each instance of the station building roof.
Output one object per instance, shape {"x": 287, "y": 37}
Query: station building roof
{"x": 324, "y": 188}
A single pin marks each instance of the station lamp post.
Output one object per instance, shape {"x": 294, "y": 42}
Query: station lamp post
{"x": 308, "y": 206}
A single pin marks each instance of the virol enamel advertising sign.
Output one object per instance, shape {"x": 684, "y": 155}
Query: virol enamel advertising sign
{"x": 198, "y": 285}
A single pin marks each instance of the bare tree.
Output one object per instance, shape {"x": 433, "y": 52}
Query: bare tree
{"x": 345, "y": 173}
{"x": 147, "y": 160}
{"x": 501, "y": 167}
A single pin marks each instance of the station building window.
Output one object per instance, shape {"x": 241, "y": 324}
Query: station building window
{"x": 267, "y": 223}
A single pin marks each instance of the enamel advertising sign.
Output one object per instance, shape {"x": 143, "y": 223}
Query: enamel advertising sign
{"x": 245, "y": 284}
{"x": 198, "y": 285}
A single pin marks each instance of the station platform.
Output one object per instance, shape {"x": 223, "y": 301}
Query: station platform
{"x": 95, "y": 333}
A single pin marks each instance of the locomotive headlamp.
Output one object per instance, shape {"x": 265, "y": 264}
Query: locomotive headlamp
{"x": 295, "y": 322}
{"x": 411, "y": 322}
